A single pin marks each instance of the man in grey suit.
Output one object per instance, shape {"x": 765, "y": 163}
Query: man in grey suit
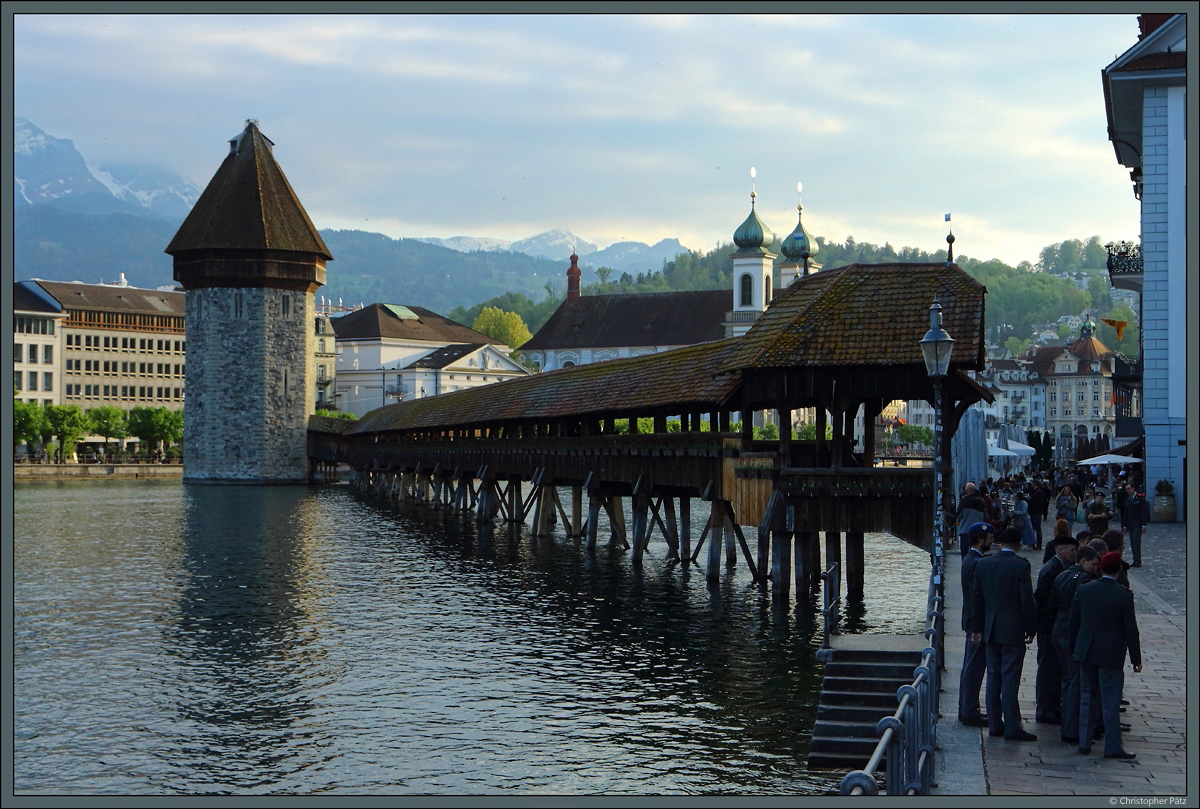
{"x": 1004, "y": 617}
{"x": 979, "y": 537}
{"x": 1104, "y": 626}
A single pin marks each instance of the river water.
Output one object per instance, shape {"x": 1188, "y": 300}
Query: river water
{"x": 174, "y": 639}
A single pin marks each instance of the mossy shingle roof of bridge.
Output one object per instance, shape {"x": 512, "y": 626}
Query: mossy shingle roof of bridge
{"x": 865, "y": 314}
{"x": 685, "y": 379}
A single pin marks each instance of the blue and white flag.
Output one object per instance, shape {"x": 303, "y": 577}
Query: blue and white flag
{"x": 947, "y": 217}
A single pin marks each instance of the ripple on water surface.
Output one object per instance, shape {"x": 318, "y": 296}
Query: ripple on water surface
{"x": 194, "y": 639}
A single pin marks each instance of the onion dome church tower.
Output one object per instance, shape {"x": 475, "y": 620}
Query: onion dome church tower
{"x": 249, "y": 260}
{"x": 798, "y": 248}
{"x": 752, "y": 280}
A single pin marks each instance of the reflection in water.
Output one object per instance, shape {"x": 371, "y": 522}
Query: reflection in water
{"x": 287, "y": 639}
{"x": 243, "y": 622}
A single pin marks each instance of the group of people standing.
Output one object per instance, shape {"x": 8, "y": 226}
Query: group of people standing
{"x": 1081, "y": 611}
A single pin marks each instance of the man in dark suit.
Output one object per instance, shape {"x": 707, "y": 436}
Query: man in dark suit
{"x": 1004, "y": 617}
{"x": 1104, "y": 626}
{"x": 1049, "y": 674}
{"x": 979, "y": 537}
{"x": 1134, "y": 517}
{"x": 1085, "y": 569}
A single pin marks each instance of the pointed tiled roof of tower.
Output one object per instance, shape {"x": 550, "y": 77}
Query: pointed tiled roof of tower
{"x": 249, "y": 205}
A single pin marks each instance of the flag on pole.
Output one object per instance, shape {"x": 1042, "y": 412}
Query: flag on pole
{"x": 947, "y": 217}
{"x": 1119, "y": 325}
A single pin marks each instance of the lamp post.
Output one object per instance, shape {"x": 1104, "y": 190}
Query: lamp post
{"x": 936, "y": 346}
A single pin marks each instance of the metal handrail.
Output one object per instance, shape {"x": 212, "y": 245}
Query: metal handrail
{"x": 832, "y": 598}
{"x": 909, "y": 736}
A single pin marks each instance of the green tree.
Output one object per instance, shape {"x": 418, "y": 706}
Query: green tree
{"x": 1099, "y": 291}
{"x": 808, "y": 432}
{"x": 173, "y": 426}
{"x": 508, "y": 327}
{"x": 154, "y": 424}
{"x": 1094, "y": 254}
{"x": 1064, "y": 330}
{"x": 29, "y": 423}
{"x": 914, "y": 434}
{"x": 1016, "y": 346}
{"x": 69, "y": 424}
{"x": 603, "y": 273}
{"x": 108, "y": 422}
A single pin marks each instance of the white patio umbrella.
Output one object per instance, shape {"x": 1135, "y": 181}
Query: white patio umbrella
{"x": 1017, "y": 448}
{"x": 1111, "y": 459}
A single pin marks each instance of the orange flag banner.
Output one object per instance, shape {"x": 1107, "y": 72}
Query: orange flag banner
{"x": 1119, "y": 325}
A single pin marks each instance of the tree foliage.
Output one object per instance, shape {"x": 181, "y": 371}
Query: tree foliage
{"x": 337, "y": 414}
{"x": 914, "y": 434}
{"x": 154, "y": 424}
{"x": 68, "y": 424}
{"x": 507, "y": 327}
{"x": 29, "y": 422}
{"x": 108, "y": 421}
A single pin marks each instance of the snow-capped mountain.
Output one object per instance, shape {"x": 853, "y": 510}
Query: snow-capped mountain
{"x": 468, "y": 244}
{"x": 557, "y": 245}
{"x": 162, "y": 192}
{"x": 51, "y": 171}
{"x": 48, "y": 169}
{"x": 553, "y": 244}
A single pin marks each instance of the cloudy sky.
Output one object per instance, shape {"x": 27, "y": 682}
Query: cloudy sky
{"x": 617, "y": 127}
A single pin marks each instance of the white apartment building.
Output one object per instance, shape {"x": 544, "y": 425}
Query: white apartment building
{"x": 37, "y": 345}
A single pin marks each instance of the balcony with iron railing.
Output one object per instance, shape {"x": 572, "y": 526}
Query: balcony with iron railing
{"x": 1125, "y": 265}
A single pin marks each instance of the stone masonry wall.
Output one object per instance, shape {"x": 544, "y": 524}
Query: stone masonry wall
{"x": 249, "y": 380}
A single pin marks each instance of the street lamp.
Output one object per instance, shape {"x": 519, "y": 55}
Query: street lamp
{"x": 936, "y": 346}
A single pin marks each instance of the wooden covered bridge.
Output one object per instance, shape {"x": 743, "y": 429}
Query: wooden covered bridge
{"x": 839, "y": 341}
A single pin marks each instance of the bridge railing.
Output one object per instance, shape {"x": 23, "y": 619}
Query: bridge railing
{"x": 909, "y": 736}
{"x": 832, "y": 599}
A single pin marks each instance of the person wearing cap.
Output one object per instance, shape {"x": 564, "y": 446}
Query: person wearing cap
{"x": 1004, "y": 617}
{"x": 979, "y": 542}
{"x": 1098, "y": 514}
{"x": 1104, "y": 628}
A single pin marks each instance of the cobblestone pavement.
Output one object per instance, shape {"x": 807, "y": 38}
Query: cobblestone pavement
{"x": 971, "y": 762}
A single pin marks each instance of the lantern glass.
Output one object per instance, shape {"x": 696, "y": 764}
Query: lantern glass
{"x": 936, "y": 345}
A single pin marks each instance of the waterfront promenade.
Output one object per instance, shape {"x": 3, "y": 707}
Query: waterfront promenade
{"x": 973, "y": 763}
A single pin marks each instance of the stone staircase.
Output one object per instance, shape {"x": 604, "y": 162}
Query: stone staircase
{"x": 859, "y": 689}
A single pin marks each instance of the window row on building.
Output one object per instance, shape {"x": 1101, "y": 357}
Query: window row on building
{"x": 95, "y": 342}
{"x": 125, "y": 368}
{"x": 124, "y": 392}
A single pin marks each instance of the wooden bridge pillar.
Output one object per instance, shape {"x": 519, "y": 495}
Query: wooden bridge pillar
{"x": 802, "y": 542}
{"x": 781, "y": 547}
{"x": 685, "y": 530}
{"x": 641, "y": 528}
{"x": 716, "y": 525}
{"x": 516, "y": 505}
{"x": 730, "y": 537}
{"x": 616, "y": 519}
{"x": 855, "y": 563}
{"x": 576, "y": 527}
{"x": 671, "y": 525}
{"x": 595, "y": 500}
{"x": 833, "y": 550}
